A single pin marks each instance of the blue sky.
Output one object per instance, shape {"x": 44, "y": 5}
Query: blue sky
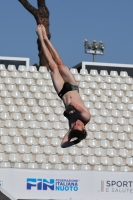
{"x": 70, "y": 23}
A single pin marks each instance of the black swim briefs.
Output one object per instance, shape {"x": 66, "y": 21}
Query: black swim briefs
{"x": 66, "y": 88}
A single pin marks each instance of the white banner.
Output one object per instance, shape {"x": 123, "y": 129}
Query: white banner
{"x": 66, "y": 184}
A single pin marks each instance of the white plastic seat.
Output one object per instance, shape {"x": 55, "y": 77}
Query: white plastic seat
{"x": 46, "y": 76}
{"x": 99, "y": 151}
{"x": 44, "y": 89}
{"x": 120, "y": 106}
{"x": 15, "y": 74}
{"x": 124, "y": 168}
{"x": 52, "y": 117}
{"x": 92, "y": 143}
{"x": 22, "y": 68}
{"x": 39, "y": 133}
{"x": 63, "y": 118}
{"x": 27, "y": 158}
{"x": 41, "y": 82}
{"x": 40, "y": 117}
{"x": 36, "y": 109}
{"x": 46, "y": 166}
{"x": 31, "y": 102}
{"x": 14, "y": 157}
{"x": 88, "y": 104}
{"x": 104, "y": 98}
{"x": 99, "y": 119}
{"x": 123, "y": 74}
{"x": 2, "y": 67}
{"x": 123, "y": 153}
{"x": 119, "y": 93}
{"x": 104, "y": 86}
{"x": 43, "y": 69}
{"x": 19, "y": 101}
{"x": 99, "y": 135}
{"x": 128, "y": 128}
{"x": 104, "y": 113}
{"x": 98, "y": 79}
{"x": 59, "y": 110}
{"x": 118, "y": 80}
{"x": 98, "y": 167}
{"x": 103, "y": 73}
{"x": 26, "y": 74}
{"x": 40, "y": 158}
{"x": 13, "y": 108}
{"x": 9, "y": 148}
{"x": 125, "y": 87}
{"x": 13, "y": 132}
{"x": 110, "y": 120}
{"x": 27, "y": 95}
{"x": 16, "y": 116}
{"x": 78, "y": 77}
{"x": 4, "y": 73}
{"x": 5, "y": 164}
{"x": 93, "y": 112}
{"x": 112, "y": 168}
{"x": 105, "y": 143}
{"x": 73, "y": 150}
{"x": 66, "y": 159}
{"x": 4, "y": 93}
{"x": 115, "y": 113}
{"x": 98, "y": 92}
{"x": 45, "y": 125}
{"x": 129, "y": 144}
{"x": 31, "y": 141}
{"x": 54, "y": 103}
{"x": 83, "y": 84}
{"x": 24, "y": 109}
{"x": 117, "y": 144}
{"x": 35, "y": 149}
{"x": 36, "y": 75}
{"x": 19, "y": 81}
{"x": 93, "y": 85}
{"x": 93, "y": 72}
{"x": 129, "y": 161}
{"x": 5, "y": 116}
{"x": 109, "y": 93}
{"x": 93, "y": 98}
{"x": 126, "y": 114}
{"x": 3, "y": 131}
{"x": 125, "y": 99}
{"x": 53, "y": 158}
{"x": 43, "y": 102}
{"x": 32, "y": 69}
{"x": 22, "y": 148}
{"x": 72, "y": 166}
{"x": 48, "y": 150}
{"x": 55, "y": 142}
{"x": 83, "y": 71}
{"x": 118, "y": 161}
{"x": 85, "y": 167}
{"x": 129, "y": 94}
{"x": 92, "y": 160}
{"x": 105, "y": 127}
{"x": 48, "y": 110}
{"x": 61, "y": 151}
{"x": 30, "y": 81}
{"x": 111, "y": 152}
{"x": 105, "y": 160}
{"x": 21, "y": 124}
{"x": 3, "y": 157}
{"x": 115, "y": 99}
{"x": 8, "y": 101}
{"x": 93, "y": 127}
{"x": 114, "y": 73}
{"x": 19, "y": 165}
{"x": 34, "y": 88}
{"x": 114, "y": 86}
{"x": 3, "y": 108}
{"x": 9, "y": 123}
{"x": 2, "y": 86}
{"x": 50, "y": 83}
{"x": 16, "y": 94}
{"x": 111, "y": 135}
{"x": 8, "y": 81}
{"x": 61, "y": 133}
{"x": 43, "y": 141}
{"x": 18, "y": 140}
{"x": 129, "y": 80}
{"x": 121, "y": 120}
{"x": 99, "y": 105}
{"x": 88, "y": 78}
{"x": 73, "y": 71}
{"x": 59, "y": 166}
{"x": 122, "y": 136}
{"x": 23, "y": 88}
{"x": 130, "y": 107}
{"x": 117, "y": 128}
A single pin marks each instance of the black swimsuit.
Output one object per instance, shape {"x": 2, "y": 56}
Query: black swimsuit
{"x": 66, "y": 88}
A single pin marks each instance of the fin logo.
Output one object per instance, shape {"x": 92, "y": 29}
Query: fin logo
{"x": 40, "y": 184}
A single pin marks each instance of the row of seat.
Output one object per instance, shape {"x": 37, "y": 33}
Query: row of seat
{"x": 61, "y": 166}
{"x": 85, "y": 151}
{"x": 67, "y": 159}
{"x": 43, "y": 69}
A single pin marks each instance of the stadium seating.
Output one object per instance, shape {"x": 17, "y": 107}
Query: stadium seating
{"x": 32, "y": 122}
